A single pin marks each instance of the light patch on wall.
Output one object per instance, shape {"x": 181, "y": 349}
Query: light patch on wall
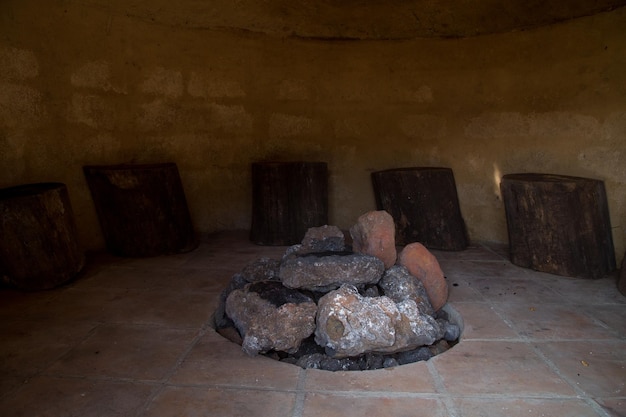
{"x": 96, "y": 74}
{"x": 17, "y": 64}
{"x": 550, "y": 125}
{"x": 286, "y": 125}
{"x": 231, "y": 119}
{"x": 424, "y": 94}
{"x": 497, "y": 178}
{"x": 498, "y": 125}
{"x": 102, "y": 147}
{"x": 529, "y": 160}
{"x": 210, "y": 85}
{"x": 156, "y": 114}
{"x": 164, "y": 82}
{"x": 92, "y": 111}
{"x": 293, "y": 90}
{"x": 563, "y": 124}
{"x": 474, "y": 162}
{"x": 352, "y": 127}
{"x": 609, "y": 162}
{"x": 20, "y": 106}
{"x": 423, "y": 126}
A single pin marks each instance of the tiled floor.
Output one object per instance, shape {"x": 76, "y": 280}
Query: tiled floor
{"x": 132, "y": 337}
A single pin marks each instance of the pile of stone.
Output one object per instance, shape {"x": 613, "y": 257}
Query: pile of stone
{"x": 328, "y": 306}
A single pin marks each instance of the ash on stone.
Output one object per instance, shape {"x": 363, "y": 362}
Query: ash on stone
{"x": 323, "y": 306}
{"x": 325, "y": 273}
{"x": 266, "y": 326}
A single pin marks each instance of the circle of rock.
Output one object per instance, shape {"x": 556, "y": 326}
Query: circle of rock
{"x": 328, "y": 306}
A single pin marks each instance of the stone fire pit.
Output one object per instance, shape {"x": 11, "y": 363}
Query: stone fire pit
{"x": 328, "y": 306}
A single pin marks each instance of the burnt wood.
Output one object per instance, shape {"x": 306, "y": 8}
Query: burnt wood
{"x": 39, "y": 248}
{"x": 558, "y": 224}
{"x": 424, "y": 204}
{"x": 288, "y": 198}
{"x": 142, "y": 209}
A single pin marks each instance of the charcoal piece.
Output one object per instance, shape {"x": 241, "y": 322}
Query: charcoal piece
{"x": 220, "y": 318}
{"x": 415, "y": 355}
{"x": 263, "y": 269}
{"x": 277, "y": 294}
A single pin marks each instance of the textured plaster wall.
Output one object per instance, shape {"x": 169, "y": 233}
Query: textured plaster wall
{"x": 81, "y": 84}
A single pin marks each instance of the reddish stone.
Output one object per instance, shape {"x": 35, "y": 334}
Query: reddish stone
{"x": 424, "y": 266}
{"x": 374, "y": 234}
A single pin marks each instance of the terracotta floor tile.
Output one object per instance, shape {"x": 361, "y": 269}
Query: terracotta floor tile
{"x": 329, "y": 405}
{"x": 412, "y": 378}
{"x": 609, "y": 315}
{"x": 456, "y": 269}
{"x": 584, "y": 291}
{"x": 17, "y": 305}
{"x": 519, "y": 289}
{"x": 126, "y": 351}
{"x": 477, "y": 367}
{"x": 463, "y": 291}
{"x": 549, "y": 321}
{"x": 126, "y": 277}
{"x": 127, "y": 330}
{"x": 481, "y": 321}
{"x": 192, "y": 401}
{"x": 596, "y": 367}
{"x": 163, "y": 261}
{"x": 614, "y": 407}
{"x": 53, "y": 397}
{"x": 216, "y": 361}
{"x": 29, "y": 347}
{"x": 72, "y": 305}
{"x": 162, "y": 308}
{"x": 9, "y": 383}
{"x": 524, "y": 407}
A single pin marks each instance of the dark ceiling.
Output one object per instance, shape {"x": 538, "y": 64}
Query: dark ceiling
{"x": 358, "y": 19}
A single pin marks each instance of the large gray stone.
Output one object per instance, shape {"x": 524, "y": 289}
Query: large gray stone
{"x": 398, "y": 284}
{"x": 349, "y": 324}
{"x": 325, "y": 273}
{"x": 271, "y": 317}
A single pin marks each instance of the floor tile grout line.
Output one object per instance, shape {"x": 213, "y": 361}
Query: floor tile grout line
{"x": 583, "y": 395}
{"x": 532, "y": 343}
{"x": 491, "y": 250}
{"x": 440, "y": 386}
{"x": 181, "y": 358}
{"x": 298, "y": 408}
{"x": 96, "y": 326}
{"x": 441, "y": 396}
{"x": 522, "y": 339}
{"x": 45, "y": 370}
{"x": 103, "y": 378}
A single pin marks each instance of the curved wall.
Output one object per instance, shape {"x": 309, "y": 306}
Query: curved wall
{"x": 81, "y": 84}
